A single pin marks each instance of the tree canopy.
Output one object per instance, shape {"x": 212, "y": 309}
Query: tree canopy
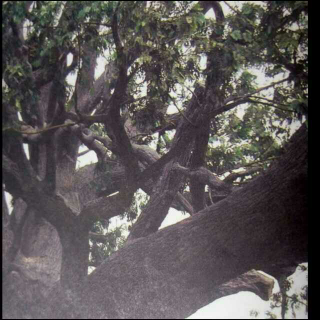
{"x": 201, "y": 105}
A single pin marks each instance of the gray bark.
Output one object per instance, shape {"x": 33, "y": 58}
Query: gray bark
{"x": 177, "y": 270}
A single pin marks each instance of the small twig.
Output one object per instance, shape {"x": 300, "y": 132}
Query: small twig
{"x": 97, "y": 24}
{"x": 70, "y": 158}
{"x": 247, "y": 165}
{"x": 142, "y": 134}
{"x": 271, "y": 105}
{"x": 237, "y": 12}
{"x": 83, "y": 153}
{"x": 231, "y": 8}
{"x": 260, "y": 89}
{"x": 77, "y": 81}
{"x": 134, "y": 100}
{"x": 115, "y": 32}
{"x": 194, "y": 95}
{"x": 42, "y": 130}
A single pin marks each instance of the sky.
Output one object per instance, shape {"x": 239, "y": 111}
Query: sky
{"x": 237, "y": 306}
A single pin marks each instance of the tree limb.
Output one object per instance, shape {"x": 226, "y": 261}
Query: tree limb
{"x": 216, "y": 235}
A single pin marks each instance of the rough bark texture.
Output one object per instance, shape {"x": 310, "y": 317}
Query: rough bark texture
{"x": 158, "y": 274}
{"x": 174, "y": 272}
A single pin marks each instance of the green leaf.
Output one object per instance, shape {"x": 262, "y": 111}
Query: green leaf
{"x": 247, "y": 36}
{"x": 189, "y": 19}
{"x": 201, "y": 18}
{"x": 213, "y": 139}
{"x": 81, "y": 14}
{"x": 197, "y": 7}
{"x": 246, "y": 9}
{"x": 236, "y": 35}
{"x": 146, "y": 58}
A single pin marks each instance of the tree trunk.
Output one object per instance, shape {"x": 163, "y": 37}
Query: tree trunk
{"x": 158, "y": 274}
{"x": 176, "y": 271}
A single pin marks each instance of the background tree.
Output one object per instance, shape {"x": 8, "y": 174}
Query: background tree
{"x": 159, "y": 55}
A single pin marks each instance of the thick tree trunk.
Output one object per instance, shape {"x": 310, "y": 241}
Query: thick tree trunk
{"x": 174, "y": 272}
{"x": 158, "y": 274}
{"x": 179, "y": 269}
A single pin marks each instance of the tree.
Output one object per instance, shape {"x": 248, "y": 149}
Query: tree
{"x": 288, "y": 302}
{"x": 159, "y": 55}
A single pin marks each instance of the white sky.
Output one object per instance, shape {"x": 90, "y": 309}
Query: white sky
{"x": 237, "y": 306}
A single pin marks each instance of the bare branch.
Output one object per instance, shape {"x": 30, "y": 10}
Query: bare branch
{"x": 206, "y": 177}
{"x": 273, "y": 105}
{"x": 256, "y": 91}
{"x": 235, "y": 175}
{"x": 106, "y": 207}
{"x": 184, "y": 116}
{"x": 80, "y": 154}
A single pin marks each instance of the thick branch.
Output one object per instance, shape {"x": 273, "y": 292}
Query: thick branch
{"x": 106, "y": 207}
{"x": 144, "y": 154}
{"x": 206, "y": 177}
{"x": 197, "y": 186}
{"x": 235, "y": 175}
{"x": 252, "y": 281}
{"x": 258, "y": 225}
{"x": 22, "y": 182}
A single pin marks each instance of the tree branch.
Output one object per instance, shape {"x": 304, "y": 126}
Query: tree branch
{"x": 106, "y": 207}
{"x": 235, "y": 175}
{"x": 206, "y": 177}
{"x": 256, "y": 91}
{"x": 216, "y": 235}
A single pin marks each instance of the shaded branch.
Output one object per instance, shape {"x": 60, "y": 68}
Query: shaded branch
{"x": 252, "y": 281}
{"x": 32, "y": 191}
{"x": 98, "y": 237}
{"x": 106, "y": 207}
{"x": 256, "y": 91}
{"x": 216, "y": 235}
{"x": 206, "y": 177}
{"x": 235, "y": 175}
{"x": 29, "y": 130}
{"x": 273, "y": 105}
{"x": 80, "y": 154}
{"x": 115, "y": 32}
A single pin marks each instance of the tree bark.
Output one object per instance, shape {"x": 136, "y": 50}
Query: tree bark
{"x": 158, "y": 274}
{"x": 174, "y": 272}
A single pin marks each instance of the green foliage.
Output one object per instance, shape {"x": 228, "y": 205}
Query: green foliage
{"x": 167, "y": 46}
{"x": 114, "y": 238}
{"x": 171, "y": 38}
{"x": 98, "y": 129}
{"x": 238, "y": 142}
{"x": 287, "y": 301}
{"x": 102, "y": 249}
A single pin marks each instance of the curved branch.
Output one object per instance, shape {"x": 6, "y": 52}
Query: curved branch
{"x": 256, "y": 91}
{"x": 235, "y": 175}
{"x": 252, "y": 281}
{"x": 106, "y": 207}
{"x": 230, "y": 233}
{"x": 206, "y": 177}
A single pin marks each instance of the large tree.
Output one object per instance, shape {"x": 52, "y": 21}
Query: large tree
{"x": 226, "y": 155}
